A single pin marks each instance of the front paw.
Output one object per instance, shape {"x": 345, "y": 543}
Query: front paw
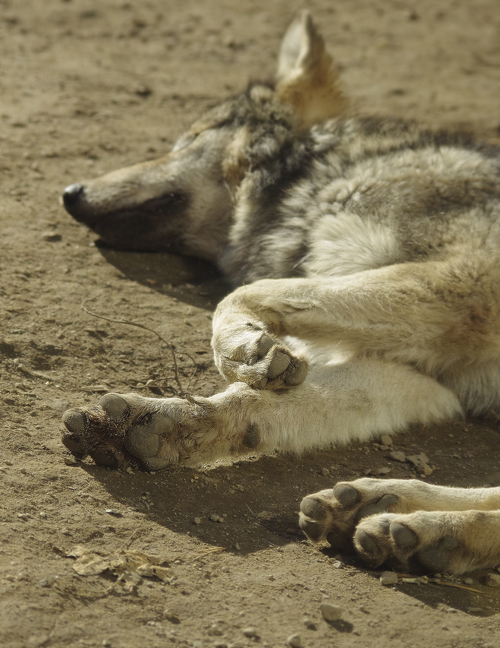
{"x": 249, "y": 354}
{"x": 127, "y": 429}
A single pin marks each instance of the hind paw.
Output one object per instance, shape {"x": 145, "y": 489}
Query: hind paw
{"x": 333, "y": 514}
{"x": 249, "y": 354}
{"x": 128, "y": 429}
{"x": 422, "y": 541}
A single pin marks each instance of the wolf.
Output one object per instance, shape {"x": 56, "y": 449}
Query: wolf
{"x": 365, "y": 255}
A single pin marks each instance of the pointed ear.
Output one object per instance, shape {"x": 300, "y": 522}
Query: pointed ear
{"x": 307, "y": 78}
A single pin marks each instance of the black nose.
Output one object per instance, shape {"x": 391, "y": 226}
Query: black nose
{"x": 71, "y": 194}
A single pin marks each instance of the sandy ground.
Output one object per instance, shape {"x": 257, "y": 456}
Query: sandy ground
{"x": 87, "y": 86}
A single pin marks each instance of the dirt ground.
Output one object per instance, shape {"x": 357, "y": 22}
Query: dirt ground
{"x": 87, "y": 86}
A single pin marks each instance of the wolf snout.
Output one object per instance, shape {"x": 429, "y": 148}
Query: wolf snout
{"x": 72, "y": 194}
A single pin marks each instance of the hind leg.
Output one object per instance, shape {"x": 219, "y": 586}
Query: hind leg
{"x": 451, "y": 542}
{"x": 408, "y": 523}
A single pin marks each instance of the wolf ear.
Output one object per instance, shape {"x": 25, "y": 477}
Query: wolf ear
{"x": 307, "y": 77}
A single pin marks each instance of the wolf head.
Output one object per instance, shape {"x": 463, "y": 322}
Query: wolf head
{"x": 185, "y": 202}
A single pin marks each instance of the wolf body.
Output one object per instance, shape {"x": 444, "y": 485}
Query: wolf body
{"x": 367, "y": 255}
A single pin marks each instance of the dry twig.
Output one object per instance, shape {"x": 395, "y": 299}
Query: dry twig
{"x": 170, "y": 346}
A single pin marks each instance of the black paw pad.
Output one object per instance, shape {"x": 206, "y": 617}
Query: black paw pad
{"x": 404, "y": 538}
{"x": 346, "y": 495}
{"x": 312, "y": 508}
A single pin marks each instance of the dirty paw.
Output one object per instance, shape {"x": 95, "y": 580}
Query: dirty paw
{"x": 418, "y": 542}
{"x": 127, "y": 429}
{"x": 90, "y": 432}
{"x": 332, "y": 515}
{"x": 249, "y": 354}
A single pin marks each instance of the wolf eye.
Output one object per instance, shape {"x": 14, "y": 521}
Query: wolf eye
{"x": 183, "y": 142}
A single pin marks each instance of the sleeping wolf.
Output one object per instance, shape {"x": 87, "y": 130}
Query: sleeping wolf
{"x": 367, "y": 255}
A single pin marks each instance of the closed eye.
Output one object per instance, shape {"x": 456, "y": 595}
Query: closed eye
{"x": 183, "y": 142}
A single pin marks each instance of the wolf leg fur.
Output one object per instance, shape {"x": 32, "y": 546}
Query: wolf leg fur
{"x": 338, "y": 403}
{"x": 432, "y": 314}
{"x": 408, "y": 524}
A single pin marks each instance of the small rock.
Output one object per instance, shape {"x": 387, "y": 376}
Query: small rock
{"x": 385, "y": 439}
{"x": 215, "y": 631}
{"x": 492, "y": 580}
{"x": 468, "y": 581}
{"x": 113, "y": 512}
{"x": 418, "y": 460}
{"x": 389, "y": 578}
{"x": 216, "y": 518}
{"x": 251, "y": 631}
{"x": 397, "y": 455}
{"x": 96, "y": 389}
{"x": 326, "y": 473}
{"x": 383, "y": 471}
{"x": 421, "y": 463}
{"x": 309, "y": 623}
{"x": 196, "y": 520}
{"x": 264, "y": 515}
{"x": 425, "y": 470}
{"x": 330, "y": 612}
{"x": 143, "y": 91}
{"x": 295, "y": 641}
{"x": 52, "y": 237}
{"x": 171, "y": 616}
{"x": 154, "y": 387}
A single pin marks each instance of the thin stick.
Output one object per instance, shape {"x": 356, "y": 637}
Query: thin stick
{"x": 408, "y": 578}
{"x": 146, "y": 328}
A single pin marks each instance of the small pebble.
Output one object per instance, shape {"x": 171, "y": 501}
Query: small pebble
{"x": 397, "y": 455}
{"x": 389, "y": 578}
{"x": 385, "y": 439}
{"x": 197, "y": 520}
{"x": 216, "y": 518}
{"x": 52, "y": 237}
{"x": 251, "y": 631}
{"x": 309, "y": 623}
{"x": 330, "y": 612}
{"x": 171, "y": 616}
{"x": 325, "y": 472}
{"x": 295, "y": 641}
{"x": 113, "y": 512}
{"x": 492, "y": 580}
{"x": 215, "y": 630}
